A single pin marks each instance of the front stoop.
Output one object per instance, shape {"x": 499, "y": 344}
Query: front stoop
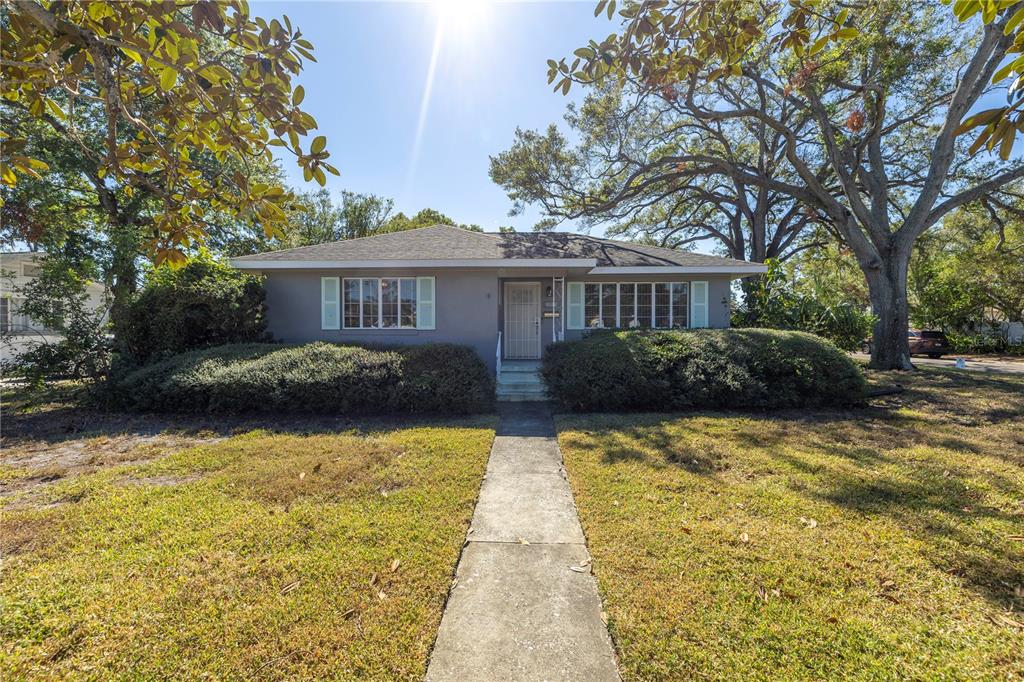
{"x": 520, "y": 381}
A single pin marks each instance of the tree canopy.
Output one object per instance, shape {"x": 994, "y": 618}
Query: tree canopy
{"x": 149, "y": 94}
{"x": 881, "y": 92}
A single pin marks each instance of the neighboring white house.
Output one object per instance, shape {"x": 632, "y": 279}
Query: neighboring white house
{"x": 17, "y": 270}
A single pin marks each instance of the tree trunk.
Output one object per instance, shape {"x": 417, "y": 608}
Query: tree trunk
{"x": 124, "y": 271}
{"x": 887, "y": 287}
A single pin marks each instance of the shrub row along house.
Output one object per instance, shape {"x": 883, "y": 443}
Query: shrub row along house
{"x": 506, "y": 295}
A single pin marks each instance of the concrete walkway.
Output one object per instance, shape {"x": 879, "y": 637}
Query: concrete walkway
{"x": 519, "y": 610}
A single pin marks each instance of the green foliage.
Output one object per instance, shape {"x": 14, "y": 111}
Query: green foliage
{"x": 676, "y": 370}
{"x": 59, "y": 301}
{"x": 773, "y": 303}
{"x": 984, "y": 343}
{"x": 969, "y": 273}
{"x": 424, "y": 218}
{"x": 320, "y": 378}
{"x": 204, "y": 303}
{"x": 167, "y": 84}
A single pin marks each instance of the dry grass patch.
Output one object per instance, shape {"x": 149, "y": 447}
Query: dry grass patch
{"x": 877, "y": 543}
{"x": 265, "y": 555}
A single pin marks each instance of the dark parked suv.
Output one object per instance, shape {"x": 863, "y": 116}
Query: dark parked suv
{"x": 934, "y": 344}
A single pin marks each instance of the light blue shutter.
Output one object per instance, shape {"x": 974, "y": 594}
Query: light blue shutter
{"x": 330, "y": 303}
{"x": 425, "y": 303}
{"x": 575, "y": 316}
{"x": 699, "y": 304}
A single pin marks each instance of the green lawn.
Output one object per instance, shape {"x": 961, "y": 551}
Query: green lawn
{"x": 882, "y": 543}
{"x": 323, "y": 555}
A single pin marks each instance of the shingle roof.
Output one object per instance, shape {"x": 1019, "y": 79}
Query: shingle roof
{"x": 444, "y": 242}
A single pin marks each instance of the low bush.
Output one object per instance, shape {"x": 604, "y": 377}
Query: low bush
{"x": 992, "y": 343}
{"x": 320, "y": 378}
{"x": 708, "y": 368}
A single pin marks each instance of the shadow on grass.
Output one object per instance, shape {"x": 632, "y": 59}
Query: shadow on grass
{"x": 912, "y": 462}
{"x": 60, "y": 423}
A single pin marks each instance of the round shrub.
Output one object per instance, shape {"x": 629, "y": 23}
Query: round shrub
{"x": 707, "y": 368}
{"x": 320, "y": 378}
{"x": 201, "y": 304}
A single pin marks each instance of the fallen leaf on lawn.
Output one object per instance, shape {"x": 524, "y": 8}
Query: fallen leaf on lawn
{"x": 615, "y": 502}
{"x": 585, "y": 562}
{"x": 604, "y": 618}
{"x": 289, "y": 587}
{"x": 744, "y": 537}
{"x": 578, "y": 569}
{"x": 810, "y": 523}
{"x": 348, "y": 614}
{"x": 762, "y": 593}
{"x": 302, "y": 476}
{"x": 523, "y": 541}
{"x": 686, "y": 530}
{"x": 888, "y": 583}
{"x": 316, "y": 469}
{"x": 373, "y": 579}
{"x": 394, "y": 565}
{"x": 1000, "y": 619}
{"x": 381, "y": 595}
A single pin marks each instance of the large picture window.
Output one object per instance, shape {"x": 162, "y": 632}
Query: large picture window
{"x": 660, "y": 305}
{"x": 388, "y": 303}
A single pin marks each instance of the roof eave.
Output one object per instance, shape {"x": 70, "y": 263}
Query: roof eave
{"x": 736, "y": 270}
{"x": 282, "y": 264}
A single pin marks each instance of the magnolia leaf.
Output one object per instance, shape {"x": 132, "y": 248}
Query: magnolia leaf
{"x": 981, "y": 118}
{"x": 168, "y": 79}
{"x": 319, "y": 142}
{"x": 298, "y": 96}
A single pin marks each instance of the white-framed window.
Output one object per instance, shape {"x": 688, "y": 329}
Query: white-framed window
{"x": 387, "y": 302}
{"x": 645, "y": 305}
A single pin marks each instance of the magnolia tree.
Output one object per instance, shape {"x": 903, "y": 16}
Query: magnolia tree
{"x": 151, "y": 94}
{"x": 883, "y": 90}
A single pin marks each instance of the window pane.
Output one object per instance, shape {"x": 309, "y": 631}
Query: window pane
{"x": 627, "y": 300}
{"x": 608, "y": 306}
{"x": 679, "y": 300}
{"x": 407, "y": 317}
{"x": 389, "y": 302}
{"x": 351, "y": 302}
{"x": 661, "y": 302}
{"x": 592, "y": 305}
{"x": 643, "y": 305}
{"x": 371, "y": 298}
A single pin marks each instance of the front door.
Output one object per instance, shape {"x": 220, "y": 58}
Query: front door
{"x": 522, "y": 320}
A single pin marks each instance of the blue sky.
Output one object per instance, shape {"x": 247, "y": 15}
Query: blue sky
{"x": 367, "y": 87}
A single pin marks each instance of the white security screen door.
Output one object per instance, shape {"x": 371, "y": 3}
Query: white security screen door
{"x": 522, "y": 320}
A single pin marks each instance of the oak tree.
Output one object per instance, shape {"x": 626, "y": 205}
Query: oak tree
{"x": 889, "y": 87}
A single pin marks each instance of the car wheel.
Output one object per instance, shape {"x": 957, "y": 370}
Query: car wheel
{"x": 935, "y": 356}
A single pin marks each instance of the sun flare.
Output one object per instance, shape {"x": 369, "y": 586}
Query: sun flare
{"x": 461, "y": 16}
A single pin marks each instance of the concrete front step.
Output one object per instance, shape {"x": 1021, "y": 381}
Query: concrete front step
{"x": 520, "y": 397}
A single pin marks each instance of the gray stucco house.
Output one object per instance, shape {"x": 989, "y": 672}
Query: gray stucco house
{"x": 507, "y": 295}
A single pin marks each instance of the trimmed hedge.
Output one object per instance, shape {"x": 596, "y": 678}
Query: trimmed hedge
{"x": 318, "y": 378}
{"x": 708, "y": 368}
